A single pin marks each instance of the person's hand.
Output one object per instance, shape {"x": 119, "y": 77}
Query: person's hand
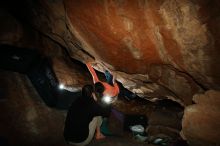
{"x": 88, "y": 59}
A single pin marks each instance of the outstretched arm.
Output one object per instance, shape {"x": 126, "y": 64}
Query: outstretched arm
{"x": 93, "y": 73}
{"x": 113, "y": 78}
{"x": 115, "y": 84}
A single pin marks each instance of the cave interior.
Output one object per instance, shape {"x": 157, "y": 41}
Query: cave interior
{"x": 164, "y": 55}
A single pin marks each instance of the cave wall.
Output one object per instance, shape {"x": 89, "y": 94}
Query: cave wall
{"x": 164, "y": 49}
{"x": 16, "y": 30}
{"x": 200, "y": 124}
{"x": 171, "y": 46}
{"x": 145, "y": 33}
{"x": 72, "y": 75}
{"x": 163, "y": 41}
{"x": 25, "y": 119}
{"x": 172, "y": 42}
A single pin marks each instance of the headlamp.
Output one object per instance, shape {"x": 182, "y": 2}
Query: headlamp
{"x": 107, "y": 99}
{"x": 61, "y": 86}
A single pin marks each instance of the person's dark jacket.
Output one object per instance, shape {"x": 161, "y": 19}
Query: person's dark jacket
{"x": 79, "y": 116}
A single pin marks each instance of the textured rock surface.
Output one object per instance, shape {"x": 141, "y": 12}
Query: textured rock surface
{"x": 72, "y": 75}
{"x": 25, "y": 119}
{"x": 165, "y": 49}
{"x": 200, "y": 123}
{"x": 148, "y": 33}
{"x": 171, "y": 46}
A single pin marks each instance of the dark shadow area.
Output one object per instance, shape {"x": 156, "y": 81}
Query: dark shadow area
{"x": 46, "y": 83}
{"x": 40, "y": 72}
{"x": 128, "y": 95}
{"x": 3, "y": 90}
{"x": 167, "y": 103}
{"x": 3, "y": 141}
{"x": 18, "y": 59}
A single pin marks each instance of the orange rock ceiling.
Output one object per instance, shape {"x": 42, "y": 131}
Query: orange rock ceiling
{"x": 164, "y": 49}
{"x": 117, "y": 33}
{"x": 142, "y": 33}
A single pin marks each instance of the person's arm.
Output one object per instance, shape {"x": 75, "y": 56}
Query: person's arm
{"x": 116, "y": 88}
{"x": 93, "y": 73}
{"x": 115, "y": 84}
{"x": 113, "y": 78}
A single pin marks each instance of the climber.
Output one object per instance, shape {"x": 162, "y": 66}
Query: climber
{"x": 84, "y": 118}
{"x": 107, "y": 90}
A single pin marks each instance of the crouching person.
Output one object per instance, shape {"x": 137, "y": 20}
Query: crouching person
{"x": 84, "y": 118}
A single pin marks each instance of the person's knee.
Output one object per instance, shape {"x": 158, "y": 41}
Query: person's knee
{"x": 99, "y": 121}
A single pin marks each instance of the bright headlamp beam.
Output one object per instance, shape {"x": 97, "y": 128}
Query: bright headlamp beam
{"x": 107, "y": 99}
{"x": 61, "y": 86}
